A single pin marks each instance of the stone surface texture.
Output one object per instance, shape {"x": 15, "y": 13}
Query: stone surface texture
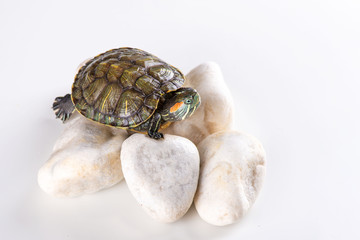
{"x": 216, "y": 110}
{"x": 161, "y": 174}
{"x": 85, "y": 159}
{"x": 231, "y": 176}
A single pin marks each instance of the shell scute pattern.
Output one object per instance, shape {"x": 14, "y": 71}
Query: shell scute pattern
{"x": 162, "y": 73}
{"x": 130, "y": 75}
{"x": 147, "y": 84}
{"x": 122, "y": 87}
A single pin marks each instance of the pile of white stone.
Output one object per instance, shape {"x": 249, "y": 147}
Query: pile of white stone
{"x": 200, "y": 160}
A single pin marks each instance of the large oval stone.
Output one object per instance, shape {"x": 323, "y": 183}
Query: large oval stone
{"x": 85, "y": 159}
{"x": 231, "y": 176}
{"x": 161, "y": 174}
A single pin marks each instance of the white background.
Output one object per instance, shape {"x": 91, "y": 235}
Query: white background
{"x": 293, "y": 68}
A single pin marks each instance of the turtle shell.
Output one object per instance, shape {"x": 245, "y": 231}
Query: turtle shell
{"x": 122, "y": 87}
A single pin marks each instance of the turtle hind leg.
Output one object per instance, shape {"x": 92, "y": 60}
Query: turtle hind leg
{"x": 63, "y": 107}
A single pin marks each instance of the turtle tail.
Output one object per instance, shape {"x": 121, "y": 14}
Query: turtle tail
{"x": 63, "y": 107}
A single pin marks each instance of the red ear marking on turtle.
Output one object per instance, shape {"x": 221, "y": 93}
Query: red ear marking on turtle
{"x": 176, "y": 106}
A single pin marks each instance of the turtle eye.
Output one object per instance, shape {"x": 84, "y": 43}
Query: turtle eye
{"x": 188, "y": 101}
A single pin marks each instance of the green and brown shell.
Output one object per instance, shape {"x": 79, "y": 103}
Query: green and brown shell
{"x": 122, "y": 87}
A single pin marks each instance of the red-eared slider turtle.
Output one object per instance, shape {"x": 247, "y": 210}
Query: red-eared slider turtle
{"x": 130, "y": 89}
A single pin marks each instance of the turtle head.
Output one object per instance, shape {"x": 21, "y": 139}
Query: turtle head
{"x": 180, "y": 104}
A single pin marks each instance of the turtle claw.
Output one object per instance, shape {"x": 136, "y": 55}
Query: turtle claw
{"x": 156, "y": 135}
{"x": 58, "y": 99}
{"x": 63, "y": 107}
{"x": 61, "y": 115}
{"x": 159, "y": 135}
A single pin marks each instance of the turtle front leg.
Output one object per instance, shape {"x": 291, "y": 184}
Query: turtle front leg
{"x": 63, "y": 107}
{"x": 155, "y": 122}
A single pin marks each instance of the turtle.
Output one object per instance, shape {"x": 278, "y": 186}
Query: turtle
{"x": 131, "y": 89}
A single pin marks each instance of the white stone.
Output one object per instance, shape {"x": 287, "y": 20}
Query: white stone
{"x": 85, "y": 159}
{"x": 216, "y": 110}
{"x": 161, "y": 174}
{"x": 231, "y": 176}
